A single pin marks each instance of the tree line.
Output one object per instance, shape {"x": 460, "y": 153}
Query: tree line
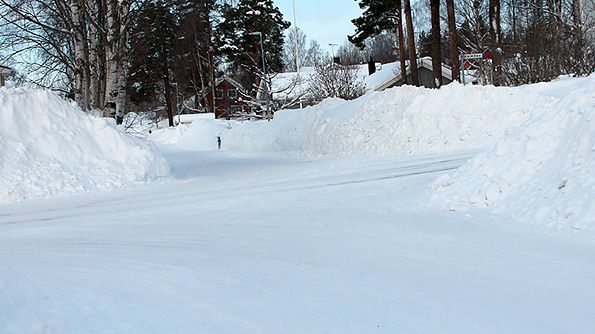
{"x": 526, "y": 40}
{"x": 119, "y": 55}
{"x": 113, "y": 55}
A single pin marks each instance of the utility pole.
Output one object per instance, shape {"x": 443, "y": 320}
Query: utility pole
{"x": 296, "y": 51}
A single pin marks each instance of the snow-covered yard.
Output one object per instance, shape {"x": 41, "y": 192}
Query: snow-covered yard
{"x": 463, "y": 210}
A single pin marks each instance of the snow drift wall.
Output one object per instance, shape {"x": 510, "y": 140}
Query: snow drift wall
{"x": 403, "y": 120}
{"x": 48, "y": 146}
{"x": 542, "y": 172}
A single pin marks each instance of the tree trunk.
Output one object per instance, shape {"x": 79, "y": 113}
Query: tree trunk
{"x": 411, "y": 44}
{"x": 123, "y": 11}
{"x": 111, "y": 59}
{"x": 436, "y": 54}
{"x": 578, "y": 32}
{"x": 454, "y": 41}
{"x": 401, "y": 42}
{"x": 94, "y": 39}
{"x": 116, "y": 58}
{"x": 81, "y": 93}
{"x": 494, "y": 20}
{"x": 212, "y": 79}
{"x": 167, "y": 88}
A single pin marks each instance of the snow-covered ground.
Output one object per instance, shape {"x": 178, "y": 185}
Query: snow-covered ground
{"x": 375, "y": 215}
{"x": 271, "y": 245}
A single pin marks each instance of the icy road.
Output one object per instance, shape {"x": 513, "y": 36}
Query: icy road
{"x": 270, "y": 245}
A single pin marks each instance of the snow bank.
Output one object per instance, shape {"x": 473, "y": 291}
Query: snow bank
{"x": 48, "y": 146}
{"x": 542, "y": 172}
{"x": 401, "y": 120}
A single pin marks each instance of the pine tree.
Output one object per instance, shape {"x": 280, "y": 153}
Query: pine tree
{"x": 494, "y": 24}
{"x": 453, "y": 40}
{"x": 196, "y": 64}
{"x": 379, "y": 16}
{"x": 411, "y": 43}
{"x": 242, "y": 26}
{"x": 436, "y": 43}
{"x": 152, "y": 38}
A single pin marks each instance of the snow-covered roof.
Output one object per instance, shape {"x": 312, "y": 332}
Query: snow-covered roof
{"x": 5, "y": 70}
{"x": 425, "y": 62}
{"x": 234, "y": 83}
{"x": 291, "y": 85}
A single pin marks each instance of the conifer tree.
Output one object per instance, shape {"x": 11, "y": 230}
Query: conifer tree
{"x": 153, "y": 36}
{"x": 239, "y": 39}
{"x": 379, "y": 16}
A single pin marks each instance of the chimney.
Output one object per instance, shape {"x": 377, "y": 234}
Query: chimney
{"x": 371, "y": 66}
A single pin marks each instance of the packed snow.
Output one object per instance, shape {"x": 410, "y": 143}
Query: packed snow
{"x": 400, "y": 120}
{"x": 49, "y": 147}
{"x": 545, "y": 158}
{"x": 542, "y": 172}
{"x": 271, "y": 245}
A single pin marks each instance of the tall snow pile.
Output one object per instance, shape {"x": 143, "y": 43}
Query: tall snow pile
{"x": 402, "y": 120}
{"x": 542, "y": 172}
{"x": 48, "y": 146}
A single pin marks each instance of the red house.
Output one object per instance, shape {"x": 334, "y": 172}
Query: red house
{"x": 229, "y": 99}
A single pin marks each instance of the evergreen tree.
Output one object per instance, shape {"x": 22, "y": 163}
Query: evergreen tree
{"x": 380, "y": 16}
{"x": 152, "y": 38}
{"x": 196, "y": 66}
{"x": 239, "y": 39}
{"x": 436, "y": 43}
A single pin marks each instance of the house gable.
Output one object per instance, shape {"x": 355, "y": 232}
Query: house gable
{"x": 425, "y": 74}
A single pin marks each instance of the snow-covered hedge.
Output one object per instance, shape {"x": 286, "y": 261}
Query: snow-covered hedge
{"x": 542, "y": 172}
{"x": 48, "y": 146}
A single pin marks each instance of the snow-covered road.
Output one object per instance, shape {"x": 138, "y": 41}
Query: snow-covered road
{"x": 273, "y": 245}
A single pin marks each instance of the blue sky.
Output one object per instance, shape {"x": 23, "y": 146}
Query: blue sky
{"x": 327, "y": 21}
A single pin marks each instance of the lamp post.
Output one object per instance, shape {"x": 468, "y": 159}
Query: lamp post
{"x": 264, "y": 72}
{"x": 296, "y": 51}
{"x": 332, "y": 45}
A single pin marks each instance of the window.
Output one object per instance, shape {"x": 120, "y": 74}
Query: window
{"x": 219, "y": 94}
{"x": 232, "y": 93}
{"x": 236, "y": 109}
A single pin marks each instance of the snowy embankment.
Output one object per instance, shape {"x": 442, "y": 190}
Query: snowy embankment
{"x": 48, "y": 147}
{"x": 542, "y": 172}
{"x": 403, "y": 120}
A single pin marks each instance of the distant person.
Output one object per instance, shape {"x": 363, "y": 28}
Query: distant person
{"x": 218, "y": 142}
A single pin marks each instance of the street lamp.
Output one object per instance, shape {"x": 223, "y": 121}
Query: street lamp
{"x": 332, "y": 45}
{"x": 263, "y": 87}
{"x": 296, "y": 51}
